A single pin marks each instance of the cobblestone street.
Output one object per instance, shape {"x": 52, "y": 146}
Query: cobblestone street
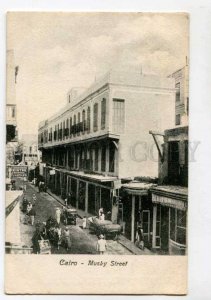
{"x": 82, "y": 241}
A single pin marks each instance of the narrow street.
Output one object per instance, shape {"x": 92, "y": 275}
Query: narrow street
{"x": 82, "y": 241}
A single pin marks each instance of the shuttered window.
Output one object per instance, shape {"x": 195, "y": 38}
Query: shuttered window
{"x": 103, "y": 113}
{"x": 118, "y": 115}
{"x": 177, "y": 86}
{"x": 95, "y": 117}
{"x": 88, "y": 119}
{"x": 83, "y": 121}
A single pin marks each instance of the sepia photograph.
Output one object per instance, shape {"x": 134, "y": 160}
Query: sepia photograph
{"x": 97, "y": 135}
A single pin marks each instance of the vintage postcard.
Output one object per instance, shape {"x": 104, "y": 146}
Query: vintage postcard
{"x": 97, "y": 153}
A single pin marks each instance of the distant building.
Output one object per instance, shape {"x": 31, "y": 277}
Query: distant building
{"x": 181, "y": 77}
{"x": 102, "y": 137}
{"x": 30, "y": 153}
{"x": 11, "y": 110}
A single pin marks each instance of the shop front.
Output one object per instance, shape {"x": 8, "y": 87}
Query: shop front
{"x": 86, "y": 192}
{"x": 136, "y": 206}
{"x": 170, "y": 205}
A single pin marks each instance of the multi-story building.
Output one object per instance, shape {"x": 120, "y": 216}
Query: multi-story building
{"x": 102, "y": 137}
{"x": 170, "y": 196}
{"x": 11, "y": 114}
{"x": 181, "y": 77}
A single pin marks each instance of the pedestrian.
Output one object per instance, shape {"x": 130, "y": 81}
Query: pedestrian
{"x": 100, "y": 212}
{"x": 102, "y": 216}
{"x": 29, "y": 207}
{"x": 59, "y": 236}
{"x": 24, "y": 204}
{"x": 139, "y": 240}
{"x": 65, "y": 201}
{"x": 101, "y": 244}
{"x": 34, "y": 198}
{"x": 32, "y": 214}
{"x": 35, "y": 240}
{"x": 69, "y": 198}
{"x": 58, "y": 215}
{"x": 67, "y": 238}
{"x": 84, "y": 222}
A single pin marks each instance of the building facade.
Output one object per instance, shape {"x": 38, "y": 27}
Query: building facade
{"x": 31, "y": 156}
{"x": 170, "y": 196}
{"x": 101, "y": 138}
{"x": 11, "y": 110}
{"x": 181, "y": 78}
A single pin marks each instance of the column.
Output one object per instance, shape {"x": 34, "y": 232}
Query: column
{"x": 86, "y": 198}
{"x": 61, "y": 187}
{"x": 67, "y": 185}
{"x": 107, "y": 158}
{"x": 99, "y": 157}
{"x": 67, "y": 159}
{"x": 77, "y": 193}
{"x": 55, "y": 179}
{"x": 133, "y": 219}
{"x": 154, "y": 226}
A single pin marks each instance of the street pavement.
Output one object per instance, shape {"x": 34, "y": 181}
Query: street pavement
{"x": 82, "y": 241}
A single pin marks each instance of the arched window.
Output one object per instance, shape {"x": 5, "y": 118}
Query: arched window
{"x": 83, "y": 121}
{"x": 95, "y": 117}
{"x": 103, "y": 113}
{"x": 67, "y": 128}
{"x": 74, "y": 125}
{"x": 79, "y": 125}
{"x": 88, "y": 119}
{"x": 71, "y": 127}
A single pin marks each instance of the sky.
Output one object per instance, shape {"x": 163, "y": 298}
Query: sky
{"x": 58, "y": 51}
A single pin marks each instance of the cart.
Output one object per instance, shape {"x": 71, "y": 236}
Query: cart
{"x": 69, "y": 216}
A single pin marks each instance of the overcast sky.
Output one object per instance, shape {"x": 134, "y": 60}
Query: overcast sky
{"x": 58, "y": 51}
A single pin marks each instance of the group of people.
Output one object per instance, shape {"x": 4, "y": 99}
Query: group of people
{"x": 55, "y": 233}
{"x": 52, "y": 231}
{"x": 28, "y": 208}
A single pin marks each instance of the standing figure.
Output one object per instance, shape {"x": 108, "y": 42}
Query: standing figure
{"x": 34, "y": 198}
{"x": 59, "y": 236}
{"x": 100, "y": 212}
{"x": 101, "y": 244}
{"x": 102, "y": 216}
{"x": 139, "y": 240}
{"x": 84, "y": 222}
{"x": 67, "y": 238}
{"x": 35, "y": 240}
{"x": 24, "y": 204}
{"x": 58, "y": 215}
{"x": 69, "y": 198}
{"x": 32, "y": 214}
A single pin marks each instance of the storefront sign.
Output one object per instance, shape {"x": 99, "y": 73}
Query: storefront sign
{"x": 169, "y": 202}
{"x": 19, "y": 171}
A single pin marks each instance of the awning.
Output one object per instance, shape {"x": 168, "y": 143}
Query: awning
{"x": 13, "y": 217}
{"x": 137, "y": 188}
{"x": 88, "y": 176}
